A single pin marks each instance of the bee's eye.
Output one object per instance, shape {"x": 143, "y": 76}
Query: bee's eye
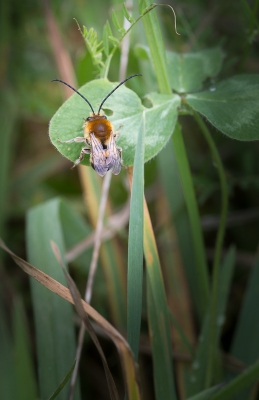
{"x": 88, "y": 119}
{"x": 104, "y": 117}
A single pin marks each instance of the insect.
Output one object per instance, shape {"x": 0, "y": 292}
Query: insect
{"x": 99, "y": 137}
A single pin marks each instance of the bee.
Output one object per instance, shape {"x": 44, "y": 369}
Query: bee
{"x": 99, "y": 138}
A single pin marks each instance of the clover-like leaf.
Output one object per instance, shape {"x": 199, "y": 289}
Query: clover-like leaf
{"x": 125, "y": 110}
{"x": 231, "y": 106}
{"x": 188, "y": 71}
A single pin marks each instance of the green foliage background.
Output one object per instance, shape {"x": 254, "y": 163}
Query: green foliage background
{"x": 220, "y": 61}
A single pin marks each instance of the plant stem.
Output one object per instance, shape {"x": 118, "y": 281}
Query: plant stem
{"x": 158, "y": 55}
{"x": 157, "y": 49}
{"x": 218, "y": 248}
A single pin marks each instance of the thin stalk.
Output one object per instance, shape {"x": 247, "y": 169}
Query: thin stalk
{"x": 157, "y": 49}
{"x": 91, "y": 276}
{"x": 109, "y": 58}
{"x": 218, "y": 248}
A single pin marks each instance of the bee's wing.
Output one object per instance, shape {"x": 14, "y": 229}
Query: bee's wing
{"x": 98, "y": 158}
{"x": 113, "y": 160}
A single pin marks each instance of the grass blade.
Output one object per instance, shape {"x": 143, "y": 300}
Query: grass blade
{"x": 53, "y": 317}
{"x": 199, "y": 370}
{"x": 171, "y": 182}
{"x": 205, "y": 394}
{"x": 194, "y": 218}
{"x": 85, "y": 319}
{"x": 237, "y": 385}
{"x": 127, "y": 360}
{"x": 8, "y": 117}
{"x": 63, "y": 383}
{"x": 135, "y": 246}
{"x": 8, "y": 384}
{"x": 245, "y": 346}
{"x": 23, "y": 364}
{"x": 158, "y": 317}
{"x": 110, "y": 254}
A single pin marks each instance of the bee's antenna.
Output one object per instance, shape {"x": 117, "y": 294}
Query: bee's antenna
{"x": 108, "y": 95}
{"x": 58, "y": 80}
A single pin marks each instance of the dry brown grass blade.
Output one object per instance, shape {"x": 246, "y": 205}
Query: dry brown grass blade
{"x": 84, "y": 317}
{"x": 127, "y": 361}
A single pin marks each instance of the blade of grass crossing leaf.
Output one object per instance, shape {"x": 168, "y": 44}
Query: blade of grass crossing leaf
{"x": 135, "y": 246}
{"x": 53, "y": 317}
{"x": 158, "y": 317}
{"x": 194, "y": 218}
{"x": 63, "y": 383}
{"x": 199, "y": 369}
{"x": 23, "y": 364}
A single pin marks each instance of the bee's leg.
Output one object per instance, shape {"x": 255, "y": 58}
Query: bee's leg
{"x": 79, "y": 139}
{"x": 85, "y": 150}
{"x": 116, "y": 134}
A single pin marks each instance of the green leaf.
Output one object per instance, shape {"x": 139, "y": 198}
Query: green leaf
{"x": 127, "y": 113}
{"x": 181, "y": 334}
{"x": 53, "y": 316}
{"x": 170, "y": 179}
{"x": 127, "y": 14}
{"x": 75, "y": 229}
{"x": 158, "y": 317}
{"x": 245, "y": 346}
{"x": 245, "y": 379}
{"x": 114, "y": 39}
{"x": 64, "y": 382}
{"x": 115, "y": 20}
{"x": 199, "y": 368}
{"x": 195, "y": 226}
{"x": 135, "y": 247}
{"x": 156, "y": 43}
{"x": 8, "y": 382}
{"x": 7, "y": 130}
{"x": 205, "y": 394}
{"x": 23, "y": 362}
{"x": 160, "y": 337}
{"x": 231, "y": 106}
{"x": 188, "y": 71}
{"x": 106, "y": 39}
